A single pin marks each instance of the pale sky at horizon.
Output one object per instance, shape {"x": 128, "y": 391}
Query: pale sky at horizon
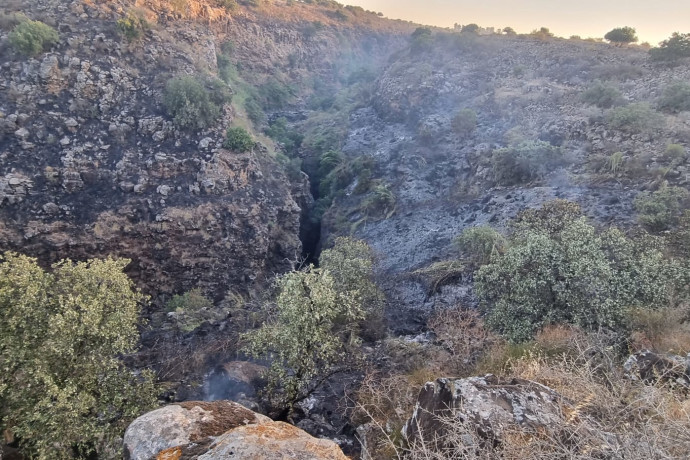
{"x": 654, "y": 20}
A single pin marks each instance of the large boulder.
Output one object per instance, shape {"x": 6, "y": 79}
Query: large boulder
{"x": 220, "y": 430}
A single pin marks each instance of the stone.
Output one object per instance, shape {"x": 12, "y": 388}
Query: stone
{"x": 22, "y": 133}
{"x": 653, "y": 368}
{"x": 220, "y": 430}
{"x": 164, "y": 189}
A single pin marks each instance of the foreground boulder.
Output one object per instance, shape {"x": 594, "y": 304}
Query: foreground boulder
{"x": 220, "y": 430}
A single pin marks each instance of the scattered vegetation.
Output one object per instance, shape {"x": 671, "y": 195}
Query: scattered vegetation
{"x": 132, "y": 26}
{"x": 189, "y": 310}
{"x": 32, "y": 37}
{"x": 64, "y": 389}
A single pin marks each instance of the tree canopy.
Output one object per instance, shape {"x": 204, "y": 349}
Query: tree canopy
{"x": 622, "y": 35}
{"x": 63, "y": 385}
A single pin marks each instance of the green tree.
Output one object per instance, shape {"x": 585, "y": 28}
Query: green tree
{"x": 32, "y": 37}
{"x": 63, "y": 387}
{"x": 672, "y": 49}
{"x": 189, "y": 103}
{"x": 567, "y": 272}
{"x": 238, "y": 139}
{"x": 313, "y": 327}
{"x": 622, "y": 35}
{"x": 470, "y": 28}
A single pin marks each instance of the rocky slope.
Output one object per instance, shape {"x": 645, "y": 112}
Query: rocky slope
{"x": 443, "y": 181}
{"x": 93, "y": 166}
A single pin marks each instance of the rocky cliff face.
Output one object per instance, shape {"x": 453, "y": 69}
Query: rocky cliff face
{"x": 91, "y": 165}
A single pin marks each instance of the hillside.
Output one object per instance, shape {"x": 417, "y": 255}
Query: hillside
{"x": 414, "y": 242}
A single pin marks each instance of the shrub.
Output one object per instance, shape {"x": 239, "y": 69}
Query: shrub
{"x": 238, "y": 139}
{"x": 470, "y": 28}
{"x": 634, "y": 118}
{"x": 132, "y": 27}
{"x": 675, "y": 154}
{"x": 480, "y": 244}
{"x": 421, "y": 39}
{"x": 254, "y": 111}
{"x": 674, "y": 48}
{"x": 525, "y": 161}
{"x": 464, "y": 122}
{"x": 572, "y": 275}
{"x": 621, "y": 35}
{"x": 189, "y": 310}
{"x": 603, "y": 95}
{"x": 64, "y": 389}
{"x": 381, "y": 200}
{"x": 189, "y": 103}
{"x": 279, "y": 131}
{"x": 675, "y": 98}
{"x": 229, "y": 5}
{"x": 542, "y": 34}
{"x": 32, "y": 37}
{"x": 315, "y": 322}
{"x": 660, "y": 210}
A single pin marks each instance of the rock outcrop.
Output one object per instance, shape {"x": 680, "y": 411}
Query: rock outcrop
{"x": 653, "y": 368}
{"x": 489, "y": 405}
{"x": 220, "y": 430}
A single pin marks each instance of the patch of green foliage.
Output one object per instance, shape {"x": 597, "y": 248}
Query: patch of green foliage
{"x": 421, "y": 40}
{"x": 190, "y": 309}
{"x": 132, "y": 27}
{"x": 190, "y": 104}
{"x": 634, "y": 118}
{"x": 675, "y": 154}
{"x": 622, "y": 35}
{"x": 565, "y": 271}
{"x": 480, "y": 244}
{"x": 660, "y": 210}
{"x": 32, "y": 37}
{"x": 464, "y": 122}
{"x": 238, "y": 140}
{"x": 280, "y": 132}
{"x": 314, "y": 324}
{"x": 380, "y": 201}
{"x": 525, "y": 162}
{"x": 64, "y": 389}
{"x": 672, "y": 49}
{"x": 603, "y": 95}
{"x": 675, "y": 98}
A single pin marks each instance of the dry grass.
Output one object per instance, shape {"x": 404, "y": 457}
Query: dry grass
{"x": 664, "y": 330}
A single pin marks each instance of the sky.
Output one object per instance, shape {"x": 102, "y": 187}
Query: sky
{"x": 654, "y": 20}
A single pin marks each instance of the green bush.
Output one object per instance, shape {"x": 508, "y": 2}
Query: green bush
{"x": 675, "y": 98}
{"x": 190, "y": 309}
{"x": 238, "y": 139}
{"x": 603, "y": 95}
{"x": 675, "y": 154}
{"x": 464, "y": 122}
{"x": 672, "y": 49}
{"x": 634, "y": 118}
{"x": 65, "y": 391}
{"x": 279, "y": 132}
{"x": 525, "y": 161}
{"x": 571, "y": 273}
{"x": 480, "y": 244}
{"x": 622, "y": 35}
{"x": 660, "y": 210}
{"x": 132, "y": 27}
{"x": 32, "y": 37}
{"x": 254, "y": 111}
{"x": 229, "y": 5}
{"x": 381, "y": 200}
{"x": 189, "y": 103}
